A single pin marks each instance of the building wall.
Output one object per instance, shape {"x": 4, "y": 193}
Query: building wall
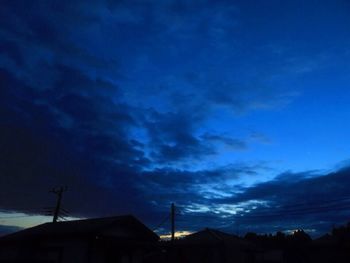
{"x": 63, "y": 251}
{"x": 116, "y": 254}
{"x": 72, "y": 251}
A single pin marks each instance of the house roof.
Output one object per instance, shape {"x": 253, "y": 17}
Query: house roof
{"x": 124, "y": 227}
{"x": 212, "y": 236}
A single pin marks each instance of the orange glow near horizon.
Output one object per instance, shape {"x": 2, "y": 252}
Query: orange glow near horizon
{"x": 178, "y": 234}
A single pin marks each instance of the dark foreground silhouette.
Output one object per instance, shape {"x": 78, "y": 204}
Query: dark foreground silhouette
{"x": 124, "y": 239}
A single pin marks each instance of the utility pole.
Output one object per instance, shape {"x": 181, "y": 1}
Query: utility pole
{"x": 59, "y": 193}
{"x": 172, "y": 222}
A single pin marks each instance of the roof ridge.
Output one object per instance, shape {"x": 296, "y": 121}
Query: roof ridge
{"x": 92, "y": 226}
{"x": 212, "y": 232}
{"x": 90, "y": 219}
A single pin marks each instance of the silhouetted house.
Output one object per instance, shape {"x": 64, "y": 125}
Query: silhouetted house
{"x": 329, "y": 248}
{"x": 210, "y": 245}
{"x": 280, "y": 247}
{"x": 121, "y": 239}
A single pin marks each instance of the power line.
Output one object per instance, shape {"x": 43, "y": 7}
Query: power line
{"x": 305, "y": 206}
{"x": 161, "y": 223}
{"x": 271, "y": 214}
{"x": 314, "y": 203}
{"x": 324, "y": 207}
{"x": 293, "y": 213}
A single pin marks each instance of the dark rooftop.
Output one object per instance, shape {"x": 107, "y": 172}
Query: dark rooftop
{"x": 126, "y": 226}
{"x": 213, "y": 236}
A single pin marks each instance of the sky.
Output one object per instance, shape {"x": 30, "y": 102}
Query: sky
{"x": 236, "y": 111}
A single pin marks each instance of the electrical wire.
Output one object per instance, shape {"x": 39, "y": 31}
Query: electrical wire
{"x": 161, "y": 223}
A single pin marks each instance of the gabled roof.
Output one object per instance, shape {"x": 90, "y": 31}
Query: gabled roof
{"x": 212, "y": 236}
{"x": 125, "y": 227}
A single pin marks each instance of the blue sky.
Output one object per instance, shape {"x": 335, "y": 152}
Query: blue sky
{"x": 234, "y": 110}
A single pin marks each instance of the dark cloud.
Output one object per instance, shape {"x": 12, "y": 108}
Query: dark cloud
{"x": 41, "y": 149}
{"x": 228, "y": 141}
{"x": 12, "y": 51}
{"x": 310, "y": 200}
{"x": 172, "y": 137}
{"x": 190, "y": 188}
{"x": 307, "y": 185}
{"x": 62, "y": 125}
